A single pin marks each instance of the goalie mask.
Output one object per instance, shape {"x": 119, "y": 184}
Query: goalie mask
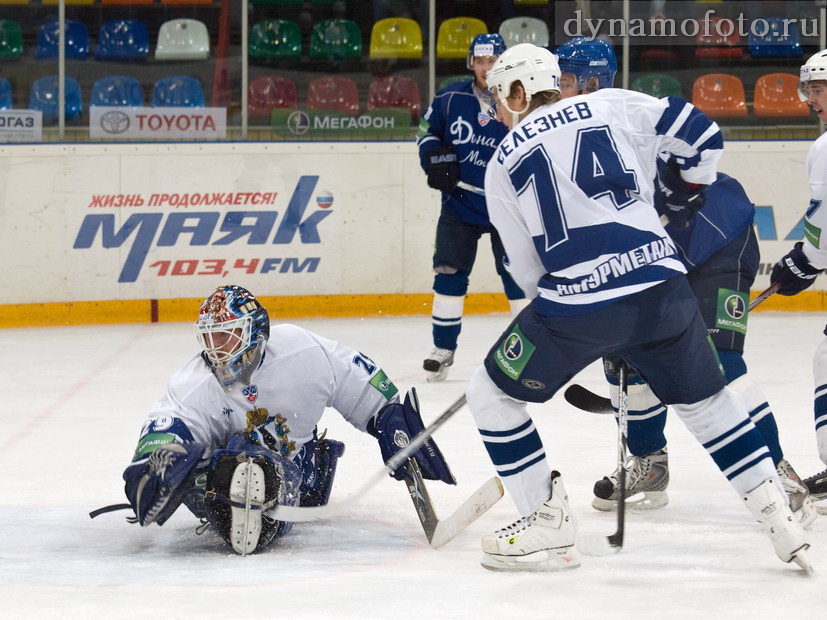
{"x": 232, "y": 330}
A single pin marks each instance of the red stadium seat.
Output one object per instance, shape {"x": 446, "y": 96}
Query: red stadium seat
{"x": 395, "y": 91}
{"x": 270, "y": 92}
{"x": 333, "y": 93}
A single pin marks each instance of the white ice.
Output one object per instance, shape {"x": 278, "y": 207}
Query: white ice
{"x": 74, "y": 399}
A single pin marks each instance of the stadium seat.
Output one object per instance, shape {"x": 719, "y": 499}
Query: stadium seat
{"x": 117, "y": 90}
{"x": 275, "y": 39}
{"x": 396, "y": 37}
{"x": 69, "y": 2}
{"x": 181, "y": 2}
{"x": 11, "y": 40}
{"x": 455, "y": 36}
{"x": 44, "y": 94}
{"x": 276, "y": 2}
{"x": 776, "y": 95}
{"x": 180, "y": 91}
{"x": 720, "y": 95}
{"x": 782, "y": 40}
{"x": 336, "y": 39}
{"x": 17, "y": 2}
{"x": 524, "y": 30}
{"x": 658, "y": 85}
{"x": 183, "y": 39}
{"x": 333, "y": 93}
{"x": 77, "y": 40}
{"x": 6, "y": 100}
{"x": 123, "y": 39}
{"x": 270, "y": 92}
{"x": 718, "y": 38}
{"x": 394, "y": 91}
{"x": 127, "y": 2}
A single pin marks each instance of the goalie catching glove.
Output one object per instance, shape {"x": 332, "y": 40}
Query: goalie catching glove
{"x": 793, "y": 272}
{"x": 394, "y": 427}
{"x": 683, "y": 200}
{"x": 157, "y": 483}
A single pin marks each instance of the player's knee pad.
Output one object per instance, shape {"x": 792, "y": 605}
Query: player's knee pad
{"x": 244, "y": 481}
{"x": 316, "y": 487}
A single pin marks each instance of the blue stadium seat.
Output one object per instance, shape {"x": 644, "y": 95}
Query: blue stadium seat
{"x": 43, "y": 96}
{"x": 117, "y": 90}
{"x": 77, "y": 40}
{"x": 5, "y": 95}
{"x": 782, "y": 40}
{"x": 179, "y": 91}
{"x": 123, "y": 39}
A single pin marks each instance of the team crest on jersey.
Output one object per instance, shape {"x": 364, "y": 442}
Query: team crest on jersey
{"x": 483, "y": 119}
{"x": 250, "y": 393}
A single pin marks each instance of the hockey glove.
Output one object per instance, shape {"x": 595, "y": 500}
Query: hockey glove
{"x": 683, "y": 200}
{"x": 156, "y": 485}
{"x": 443, "y": 169}
{"x": 395, "y": 425}
{"x": 793, "y": 272}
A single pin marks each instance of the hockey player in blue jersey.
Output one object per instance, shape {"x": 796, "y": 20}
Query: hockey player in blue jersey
{"x": 719, "y": 249}
{"x": 570, "y": 192}
{"x": 456, "y": 138}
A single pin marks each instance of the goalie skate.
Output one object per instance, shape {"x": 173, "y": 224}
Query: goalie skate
{"x": 437, "y": 363}
{"x": 768, "y": 505}
{"x": 646, "y": 480}
{"x": 542, "y": 541}
{"x": 247, "y": 493}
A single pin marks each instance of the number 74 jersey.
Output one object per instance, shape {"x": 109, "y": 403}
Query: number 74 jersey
{"x": 570, "y": 191}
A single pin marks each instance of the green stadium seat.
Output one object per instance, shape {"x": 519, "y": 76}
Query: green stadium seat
{"x": 11, "y": 40}
{"x": 275, "y": 39}
{"x": 455, "y": 36}
{"x": 658, "y": 85}
{"x": 336, "y": 39}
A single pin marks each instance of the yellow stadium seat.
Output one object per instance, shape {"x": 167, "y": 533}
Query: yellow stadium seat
{"x": 455, "y": 36}
{"x": 396, "y": 37}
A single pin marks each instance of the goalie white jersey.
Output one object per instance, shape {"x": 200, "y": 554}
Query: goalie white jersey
{"x": 571, "y": 195}
{"x": 300, "y": 375}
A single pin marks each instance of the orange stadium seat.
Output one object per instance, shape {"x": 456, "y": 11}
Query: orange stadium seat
{"x": 720, "y": 95}
{"x": 776, "y": 95}
{"x": 333, "y": 93}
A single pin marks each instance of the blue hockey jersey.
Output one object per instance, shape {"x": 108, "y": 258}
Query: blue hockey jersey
{"x": 727, "y": 212}
{"x": 457, "y": 119}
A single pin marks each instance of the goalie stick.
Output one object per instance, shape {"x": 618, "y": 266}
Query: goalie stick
{"x": 585, "y": 399}
{"x": 441, "y": 531}
{"x": 604, "y": 545}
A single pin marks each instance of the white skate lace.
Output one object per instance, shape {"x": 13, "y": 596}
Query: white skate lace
{"x": 159, "y": 461}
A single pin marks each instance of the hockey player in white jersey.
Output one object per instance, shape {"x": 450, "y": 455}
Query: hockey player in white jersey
{"x": 236, "y": 432}
{"x": 570, "y": 193}
{"x": 456, "y": 139}
{"x": 797, "y": 270}
{"x": 719, "y": 249}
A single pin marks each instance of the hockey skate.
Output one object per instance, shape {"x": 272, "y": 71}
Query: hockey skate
{"x": 817, "y": 486}
{"x": 437, "y": 363}
{"x": 646, "y": 480}
{"x": 801, "y": 504}
{"x": 768, "y": 505}
{"x": 542, "y": 541}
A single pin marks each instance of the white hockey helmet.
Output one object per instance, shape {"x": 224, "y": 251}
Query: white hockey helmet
{"x": 534, "y": 67}
{"x": 814, "y": 69}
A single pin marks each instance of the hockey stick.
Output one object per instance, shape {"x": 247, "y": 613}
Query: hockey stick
{"x": 604, "y": 545}
{"x": 471, "y": 188}
{"x": 585, "y": 399}
{"x": 441, "y": 531}
{"x": 317, "y": 513}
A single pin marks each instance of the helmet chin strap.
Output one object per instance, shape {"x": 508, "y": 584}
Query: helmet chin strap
{"x": 515, "y": 116}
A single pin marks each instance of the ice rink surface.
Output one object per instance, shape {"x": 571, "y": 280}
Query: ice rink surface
{"x": 74, "y": 399}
